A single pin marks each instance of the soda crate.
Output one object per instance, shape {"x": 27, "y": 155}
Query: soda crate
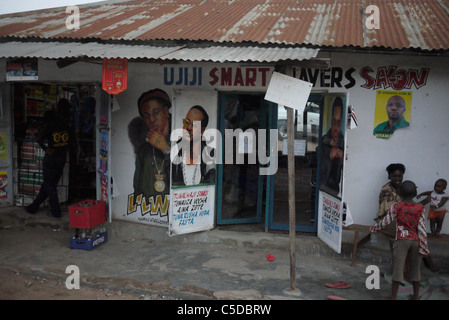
{"x": 88, "y": 243}
{"x": 87, "y": 214}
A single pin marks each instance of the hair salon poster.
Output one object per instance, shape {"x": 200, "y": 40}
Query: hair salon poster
{"x": 331, "y": 171}
{"x": 192, "y": 194}
{"x": 149, "y": 135}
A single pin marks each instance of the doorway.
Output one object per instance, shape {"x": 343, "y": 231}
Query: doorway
{"x": 30, "y": 102}
{"x": 246, "y": 197}
{"x": 306, "y": 130}
{"x": 240, "y": 187}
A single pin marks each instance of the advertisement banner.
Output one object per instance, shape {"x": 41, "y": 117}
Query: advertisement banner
{"x": 3, "y": 184}
{"x": 333, "y": 145}
{"x": 192, "y": 193}
{"x": 392, "y": 112}
{"x": 330, "y": 221}
{"x": 21, "y": 69}
{"x": 332, "y": 170}
{"x": 3, "y": 146}
{"x": 149, "y": 135}
{"x": 115, "y": 75}
{"x": 192, "y": 209}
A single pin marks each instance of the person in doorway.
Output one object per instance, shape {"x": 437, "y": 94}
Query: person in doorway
{"x": 55, "y": 139}
{"x": 410, "y": 240}
{"x": 395, "y": 113}
{"x": 150, "y": 136}
{"x": 192, "y": 170}
{"x": 438, "y": 199}
{"x": 331, "y": 166}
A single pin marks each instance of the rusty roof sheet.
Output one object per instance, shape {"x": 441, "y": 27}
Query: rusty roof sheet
{"x": 422, "y": 24}
{"x": 58, "y": 50}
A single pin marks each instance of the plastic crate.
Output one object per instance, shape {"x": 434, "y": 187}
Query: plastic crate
{"x": 87, "y": 214}
{"x": 88, "y": 244}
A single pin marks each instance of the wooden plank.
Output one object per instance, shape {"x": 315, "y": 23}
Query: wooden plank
{"x": 357, "y": 227}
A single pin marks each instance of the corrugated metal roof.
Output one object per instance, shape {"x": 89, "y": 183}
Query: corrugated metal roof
{"x": 59, "y": 50}
{"x": 420, "y": 24}
{"x": 241, "y": 54}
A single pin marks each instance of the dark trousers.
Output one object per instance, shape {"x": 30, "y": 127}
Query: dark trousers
{"x": 52, "y": 169}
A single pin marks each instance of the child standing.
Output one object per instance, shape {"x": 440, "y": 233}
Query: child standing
{"x": 437, "y": 210}
{"x": 411, "y": 238}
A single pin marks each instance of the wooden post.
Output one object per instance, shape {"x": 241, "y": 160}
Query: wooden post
{"x": 291, "y": 187}
{"x": 291, "y": 194}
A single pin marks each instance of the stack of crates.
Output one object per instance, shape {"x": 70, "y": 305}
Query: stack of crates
{"x": 87, "y": 218}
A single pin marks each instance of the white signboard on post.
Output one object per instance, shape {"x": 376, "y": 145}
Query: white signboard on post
{"x": 288, "y": 91}
{"x": 330, "y": 216}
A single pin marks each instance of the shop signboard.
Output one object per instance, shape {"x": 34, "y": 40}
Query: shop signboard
{"x": 331, "y": 164}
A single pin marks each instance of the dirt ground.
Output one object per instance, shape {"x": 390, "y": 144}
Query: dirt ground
{"x": 15, "y": 285}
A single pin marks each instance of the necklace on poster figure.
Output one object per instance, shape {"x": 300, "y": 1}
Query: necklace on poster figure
{"x": 195, "y": 179}
{"x": 159, "y": 184}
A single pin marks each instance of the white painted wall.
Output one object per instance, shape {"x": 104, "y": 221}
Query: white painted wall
{"x": 422, "y": 148}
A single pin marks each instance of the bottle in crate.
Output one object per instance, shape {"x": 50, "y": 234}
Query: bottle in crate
{"x": 88, "y": 217}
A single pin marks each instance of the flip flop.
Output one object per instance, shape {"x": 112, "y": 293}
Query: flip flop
{"x": 338, "y": 285}
{"x": 336, "y": 298}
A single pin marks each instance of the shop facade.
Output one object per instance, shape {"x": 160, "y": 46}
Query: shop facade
{"x": 232, "y": 95}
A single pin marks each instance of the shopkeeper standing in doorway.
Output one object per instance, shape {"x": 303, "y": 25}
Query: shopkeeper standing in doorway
{"x": 55, "y": 139}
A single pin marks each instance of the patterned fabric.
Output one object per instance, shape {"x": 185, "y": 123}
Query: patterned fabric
{"x": 410, "y": 219}
{"x": 387, "y": 197}
{"x": 433, "y": 214}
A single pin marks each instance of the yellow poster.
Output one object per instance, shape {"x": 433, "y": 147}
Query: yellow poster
{"x": 392, "y": 112}
{"x": 3, "y": 146}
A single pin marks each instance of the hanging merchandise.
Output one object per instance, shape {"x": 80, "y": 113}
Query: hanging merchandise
{"x": 115, "y": 75}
